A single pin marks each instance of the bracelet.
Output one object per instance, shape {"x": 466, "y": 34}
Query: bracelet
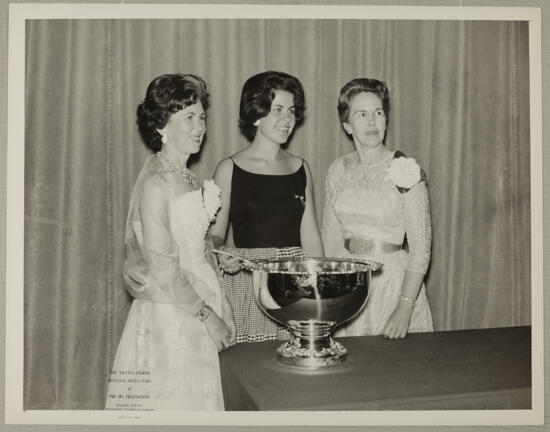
{"x": 408, "y": 300}
{"x": 204, "y": 311}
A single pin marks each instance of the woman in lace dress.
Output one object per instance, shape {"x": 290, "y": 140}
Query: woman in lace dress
{"x": 375, "y": 198}
{"x": 167, "y": 358}
{"x": 267, "y": 196}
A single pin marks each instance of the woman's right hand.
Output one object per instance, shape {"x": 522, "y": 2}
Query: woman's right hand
{"x": 229, "y": 320}
{"x": 228, "y": 263}
{"x": 218, "y": 331}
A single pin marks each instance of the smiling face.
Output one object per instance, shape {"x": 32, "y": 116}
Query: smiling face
{"x": 185, "y": 130}
{"x": 279, "y": 123}
{"x": 366, "y": 122}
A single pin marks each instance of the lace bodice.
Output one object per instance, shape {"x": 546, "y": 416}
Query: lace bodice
{"x": 361, "y": 202}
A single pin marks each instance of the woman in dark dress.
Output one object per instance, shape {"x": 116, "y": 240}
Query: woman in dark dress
{"x": 267, "y": 196}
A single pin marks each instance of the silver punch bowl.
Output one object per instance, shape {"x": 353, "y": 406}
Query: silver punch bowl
{"x": 311, "y": 297}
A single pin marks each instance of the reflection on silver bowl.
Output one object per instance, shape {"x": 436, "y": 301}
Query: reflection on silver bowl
{"x": 312, "y": 296}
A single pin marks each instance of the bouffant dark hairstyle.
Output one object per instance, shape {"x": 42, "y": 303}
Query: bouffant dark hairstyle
{"x": 258, "y": 93}
{"x": 362, "y": 85}
{"x": 165, "y": 95}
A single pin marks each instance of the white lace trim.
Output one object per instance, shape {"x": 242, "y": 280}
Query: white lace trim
{"x": 359, "y": 201}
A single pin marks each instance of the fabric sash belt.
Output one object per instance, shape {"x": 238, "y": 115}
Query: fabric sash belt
{"x": 371, "y": 247}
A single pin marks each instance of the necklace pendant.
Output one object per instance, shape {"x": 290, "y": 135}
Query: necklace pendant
{"x": 187, "y": 176}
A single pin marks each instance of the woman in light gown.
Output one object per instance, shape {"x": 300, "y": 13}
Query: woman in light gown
{"x": 267, "y": 196}
{"x": 167, "y": 358}
{"x": 375, "y": 198}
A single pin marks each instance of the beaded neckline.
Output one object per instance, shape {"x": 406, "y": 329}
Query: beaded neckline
{"x": 353, "y": 160}
{"x": 186, "y": 174}
{"x": 374, "y": 165}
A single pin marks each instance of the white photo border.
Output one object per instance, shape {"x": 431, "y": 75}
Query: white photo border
{"x": 19, "y": 13}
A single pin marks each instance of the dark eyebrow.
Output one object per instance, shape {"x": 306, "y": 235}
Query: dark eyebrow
{"x": 282, "y": 106}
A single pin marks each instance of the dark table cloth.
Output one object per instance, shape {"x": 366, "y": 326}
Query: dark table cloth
{"x": 467, "y": 369}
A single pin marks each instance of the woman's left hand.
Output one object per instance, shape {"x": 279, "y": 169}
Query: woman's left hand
{"x": 398, "y": 323}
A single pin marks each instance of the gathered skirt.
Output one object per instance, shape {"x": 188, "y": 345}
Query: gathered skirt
{"x": 166, "y": 360}
{"x": 251, "y": 323}
{"x": 383, "y": 298}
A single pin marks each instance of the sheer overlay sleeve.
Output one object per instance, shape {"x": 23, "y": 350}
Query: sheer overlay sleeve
{"x": 152, "y": 269}
{"x": 331, "y": 231}
{"x": 418, "y": 227}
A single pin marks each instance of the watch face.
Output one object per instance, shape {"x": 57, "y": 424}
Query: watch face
{"x": 204, "y": 312}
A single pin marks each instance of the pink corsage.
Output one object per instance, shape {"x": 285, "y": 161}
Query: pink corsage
{"x": 404, "y": 173}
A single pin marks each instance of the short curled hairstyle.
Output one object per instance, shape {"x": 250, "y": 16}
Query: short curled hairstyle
{"x": 167, "y": 94}
{"x": 362, "y": 85}
{"x": 258, "y": 93}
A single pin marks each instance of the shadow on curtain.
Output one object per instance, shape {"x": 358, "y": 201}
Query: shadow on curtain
{"x": 459, "y": 105}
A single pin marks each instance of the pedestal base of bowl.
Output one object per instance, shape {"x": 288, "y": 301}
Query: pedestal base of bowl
{"x": 311, "y": 354}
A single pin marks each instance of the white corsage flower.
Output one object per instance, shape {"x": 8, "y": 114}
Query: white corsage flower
{"x": 211, "y": 197}
{"x": 404, "y": 173}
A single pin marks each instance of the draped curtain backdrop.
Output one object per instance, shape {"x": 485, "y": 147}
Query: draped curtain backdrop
{"x": 459, "y": 105}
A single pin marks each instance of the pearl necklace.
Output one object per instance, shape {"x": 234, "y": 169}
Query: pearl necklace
{"x": 187, "y": 175}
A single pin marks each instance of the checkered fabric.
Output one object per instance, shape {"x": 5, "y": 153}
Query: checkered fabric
{"x": 251, "y": 323}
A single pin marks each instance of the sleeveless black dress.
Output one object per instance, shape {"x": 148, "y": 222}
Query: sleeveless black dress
{"x": 266, "y": 213}
{"x": 266, "y": 210}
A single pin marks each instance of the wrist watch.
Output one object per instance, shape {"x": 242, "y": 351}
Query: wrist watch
{"x": 204, "y": 311}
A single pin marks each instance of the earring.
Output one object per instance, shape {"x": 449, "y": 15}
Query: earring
{"x": 257, "y": 123}
{"x": 163, "y": 139}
